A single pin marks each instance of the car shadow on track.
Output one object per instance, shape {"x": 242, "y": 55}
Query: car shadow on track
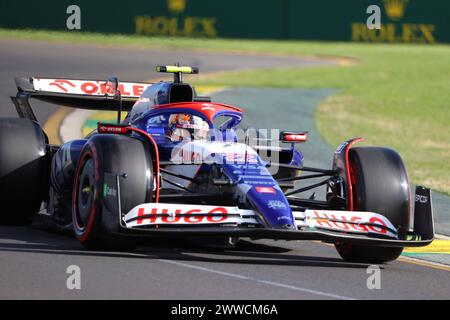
{"x": 32, "y": 240}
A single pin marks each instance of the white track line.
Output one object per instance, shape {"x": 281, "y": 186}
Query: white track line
{"x": 270, "y": 283}
{"x": 320, "y": 293}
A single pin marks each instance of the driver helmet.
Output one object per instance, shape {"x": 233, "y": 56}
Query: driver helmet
{"x": 186, "y": 126}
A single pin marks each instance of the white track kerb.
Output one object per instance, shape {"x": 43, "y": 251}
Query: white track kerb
{"x": 71, "y": 126}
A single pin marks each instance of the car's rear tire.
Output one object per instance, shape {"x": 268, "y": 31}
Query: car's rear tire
{"x": 380, "y": 184}
{"x": 23, "y": 169}
{"x": 99, "y": 229}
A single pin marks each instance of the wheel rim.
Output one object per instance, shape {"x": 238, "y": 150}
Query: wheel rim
{"x": 85, "y": 193}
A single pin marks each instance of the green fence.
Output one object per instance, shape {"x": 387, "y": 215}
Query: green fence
{"x": 407, "y": 21}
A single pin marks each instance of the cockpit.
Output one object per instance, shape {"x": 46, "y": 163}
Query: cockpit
{"x": 173, "y": 110}
{"x": 179, "y": 126}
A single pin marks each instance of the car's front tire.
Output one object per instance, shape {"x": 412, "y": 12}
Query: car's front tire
{"x": 380, "y": 184}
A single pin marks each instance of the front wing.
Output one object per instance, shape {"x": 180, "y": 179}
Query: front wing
{"x": 186, "y": 220}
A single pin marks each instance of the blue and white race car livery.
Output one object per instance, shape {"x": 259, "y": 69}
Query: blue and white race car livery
{"x": 182, "y": 165}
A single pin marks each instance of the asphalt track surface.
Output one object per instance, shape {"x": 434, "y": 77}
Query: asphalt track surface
{"x": 34, "y": 260}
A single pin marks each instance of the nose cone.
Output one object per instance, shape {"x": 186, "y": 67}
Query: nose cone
{"x": 273, "y": 205}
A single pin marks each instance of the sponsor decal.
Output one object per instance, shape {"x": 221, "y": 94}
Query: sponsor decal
{"x": 109, "y": 191}
{"x": 176, "y": 23}
{"x": 247, "y": 167}
{"x": 181, "y": 214}
{"x": 399, "y": 28}
{"x": 395, "y": 9}
{"x": 186, "y": 214}
{"x": 175, "y": 26}
{"x": 421, "y": 198}
{"x": 208, "y": 106}
{"x": 350, "y": 221}
{"x": 59, "y": 83}
{"x": 240, "y": 158}
{"x": 257, "y": 182}
{"x": 265, "y": 190}
{"x": 89, "y": 87}
{"x": 261, "y": 177}
{"x": 113, "y": 129}
{"x": 276, "y": 204}
{"x": 176, "y": 6}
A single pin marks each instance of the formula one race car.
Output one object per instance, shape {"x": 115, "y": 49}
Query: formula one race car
{"x": 177, "y": 166}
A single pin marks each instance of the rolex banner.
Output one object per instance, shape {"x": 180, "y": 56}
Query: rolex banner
{"x": 400, "y": 21}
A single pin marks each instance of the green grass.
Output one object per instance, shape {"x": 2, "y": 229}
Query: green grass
{"x": 397, "y": 96}
{"x": 394, "y": 95}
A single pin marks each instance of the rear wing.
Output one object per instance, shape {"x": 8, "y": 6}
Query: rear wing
{"x": 75, "y": 93}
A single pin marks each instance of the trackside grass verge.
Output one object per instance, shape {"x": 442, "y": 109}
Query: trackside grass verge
{"x": 395, "y": 95}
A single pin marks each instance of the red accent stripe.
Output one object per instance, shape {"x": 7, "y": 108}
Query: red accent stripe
{"x": 208, "y": 112}
{"x": 347, "y": 169}
{"x": 88, "y": 227}
{"x": 155, "y": 146}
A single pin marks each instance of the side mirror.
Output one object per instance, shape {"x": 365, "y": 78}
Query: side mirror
{"x": 293, "y": 136}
